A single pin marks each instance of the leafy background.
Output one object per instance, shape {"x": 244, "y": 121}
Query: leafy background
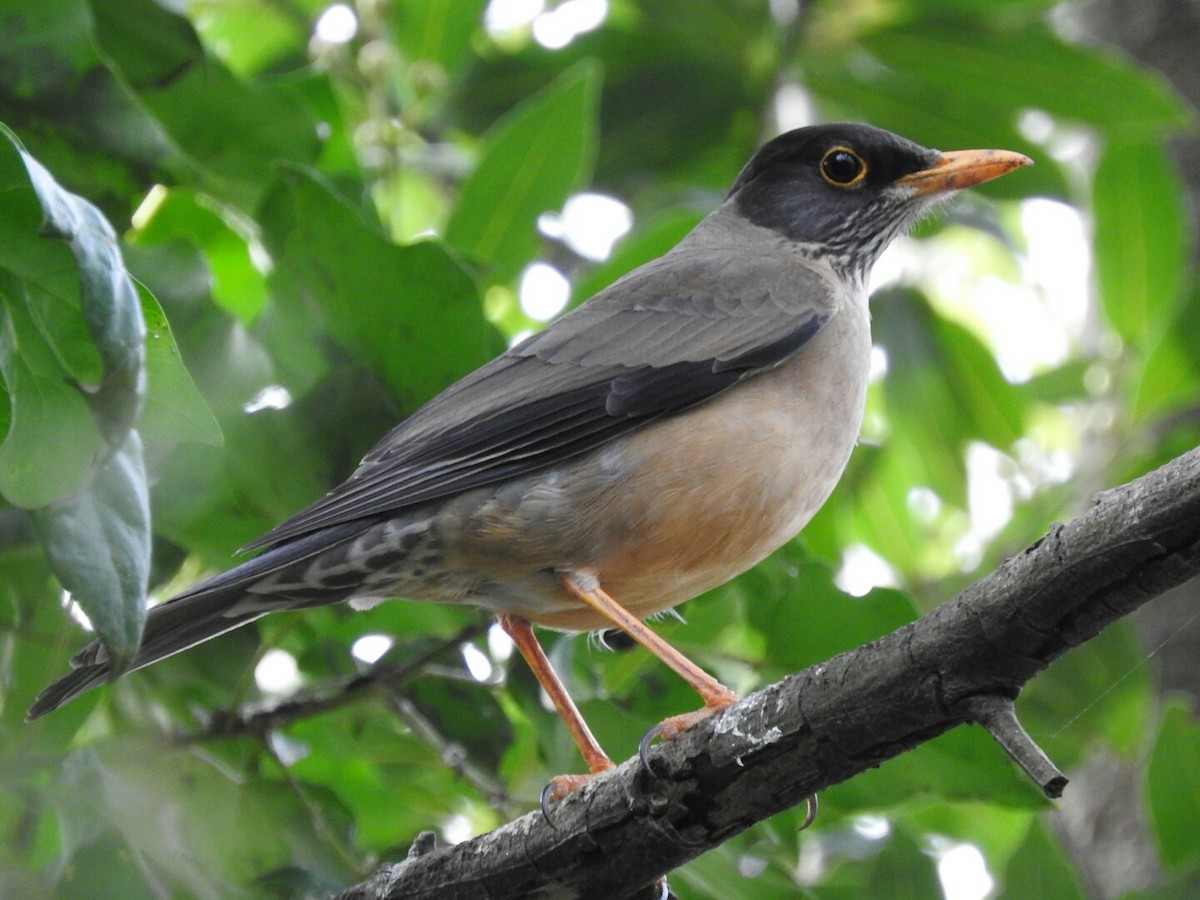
{"x": 321, "y": 233}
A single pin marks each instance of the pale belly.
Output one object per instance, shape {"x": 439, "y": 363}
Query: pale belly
{"x": 688, "y": 503}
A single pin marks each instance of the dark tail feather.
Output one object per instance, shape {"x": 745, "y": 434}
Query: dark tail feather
{"x": 220, "y": 604}
{"x": 171, "y": 627}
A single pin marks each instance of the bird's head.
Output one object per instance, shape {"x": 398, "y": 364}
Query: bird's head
{"x": 847, "y": 190}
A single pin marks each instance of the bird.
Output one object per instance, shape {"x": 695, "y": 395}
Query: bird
{"x": 647, "y": 446}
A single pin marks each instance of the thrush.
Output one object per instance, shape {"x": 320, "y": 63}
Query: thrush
{"x": 647, "y": 446}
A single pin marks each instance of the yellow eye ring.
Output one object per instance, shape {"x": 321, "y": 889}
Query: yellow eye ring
{"x": 842, "y": 167}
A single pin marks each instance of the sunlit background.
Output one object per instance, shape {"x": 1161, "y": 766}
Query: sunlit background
{"x": 1031, "y": 318}
{"x": 1017, "y": 275}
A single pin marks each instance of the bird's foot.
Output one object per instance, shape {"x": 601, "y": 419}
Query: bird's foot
{"x": 560, "y": 785}
{"x": 669, "y": 729}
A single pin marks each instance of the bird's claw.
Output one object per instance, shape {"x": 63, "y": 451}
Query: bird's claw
{"x": 811, "y": 815}
{"x": 644, "y": 745}
{"x": 557, "y": 788}
{"x": 675, "y": 726}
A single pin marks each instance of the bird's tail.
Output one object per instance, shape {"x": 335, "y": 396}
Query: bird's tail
{"x": 221, "y": 604}
{"x": 171, "y": 627}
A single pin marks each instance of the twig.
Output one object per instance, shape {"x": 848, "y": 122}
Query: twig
{"x": 999, "y": 716}
{"x": 331, "y": 694}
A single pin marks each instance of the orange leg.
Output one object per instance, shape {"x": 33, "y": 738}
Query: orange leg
{"x": 597, "y": 760}
{"x": 715, "y": 695}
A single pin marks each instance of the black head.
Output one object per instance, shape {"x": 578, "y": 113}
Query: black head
{"x": 848, "y": 190}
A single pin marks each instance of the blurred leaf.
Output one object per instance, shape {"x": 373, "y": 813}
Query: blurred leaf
{"x": 175, "y": 411}
{"x": 1039, "y": 868}
{"x": 962, "y": 765}
{"x": 92, "y": 513}
{"x": 996, "y": 829}
{"x": 77, "y": 115}
{"x": 236, "y": 284}
{"x": 808, "y": 620}
{"x": 529, "y": 163}
{"x": 902, "y": 871}
{"x": 437, "y": 31}
{"x": 233, "y": 130}
{"x": 251, "y": 35}
{"x": 217, "y": 502}
{"x": 1141, "y": 241}
{"x": 957, "y": 81}
{"x": 116, "y": 874}
{"x": 44, "y": 410}
{"x": 946, "y": 372}
{"x": 98, "y": 541}
{"x": 409, "y": 313}
{"x": 743, "y": 867}
{"x": 1166, "y": 381}
{"x": 1173, "y": 787}
{"x": 62, "y": 314}
{"x": 1099, "y": 689}
{"x": 220, "y": 833}
{"x": 708, "y": 62}
{"x": 466, "y": 716}
{"x": 30, "y": 604}
{"x": 998, "y": 66}
{"x": 1058, "y": 386}
{"x": 369, "y": 761}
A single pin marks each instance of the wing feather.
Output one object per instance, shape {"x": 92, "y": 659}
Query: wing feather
{"x": 667, "y": 336}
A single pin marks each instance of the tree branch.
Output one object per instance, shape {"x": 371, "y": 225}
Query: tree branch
{"x": 333, "y": 693}
{"x": 963, "y": 662}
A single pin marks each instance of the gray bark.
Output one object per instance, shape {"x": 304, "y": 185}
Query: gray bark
{"x": 963, "y": 662}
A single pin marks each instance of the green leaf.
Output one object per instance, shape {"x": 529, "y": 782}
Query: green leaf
{"x": 175, "y": 410}
{"x": 964, "y": 764}
{"x": 437, "y": 31}
{"x": 957, "y": 385}
{"x": 530, "y": 162}
{"x": 1141, "y": 240}
{"x": 1000, "y": 66}
{"x": 1062, "y": 385}
{"x": 1165, "y": 381}
{"x": 1039, "y": 868}
{"x": 98, "y": 542}
{"x": 72, "y": 348}
{"x": 236, "y": 284}
{"x": 785, "y": 597}
{"x": 957, "y": 81}
{"x": 79, "y": 117}
{"x": 46, "y": 274}
{"x": 1097, "y": 690}
{"x": 750, "y": 865}
{"x": 410, "y": 314}
{"x": 222, "y": 832}
{"x": 1173, "y": 787}
{"x": 253, "y": 34}
{"x": 902, "y": 871}
{"x": 108, "y": 300}
{"x": 44, "y": 410}
{"x": 90, "y": 496}
{"x": 232, "y": 131}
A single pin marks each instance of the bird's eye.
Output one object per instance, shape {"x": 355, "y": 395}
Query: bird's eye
{"x": 842, "y": 167}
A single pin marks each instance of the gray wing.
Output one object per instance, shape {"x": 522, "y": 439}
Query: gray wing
{"x": 669, "y": 335}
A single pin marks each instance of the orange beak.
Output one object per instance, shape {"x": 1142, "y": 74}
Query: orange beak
{"x": 960, "y": 169}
